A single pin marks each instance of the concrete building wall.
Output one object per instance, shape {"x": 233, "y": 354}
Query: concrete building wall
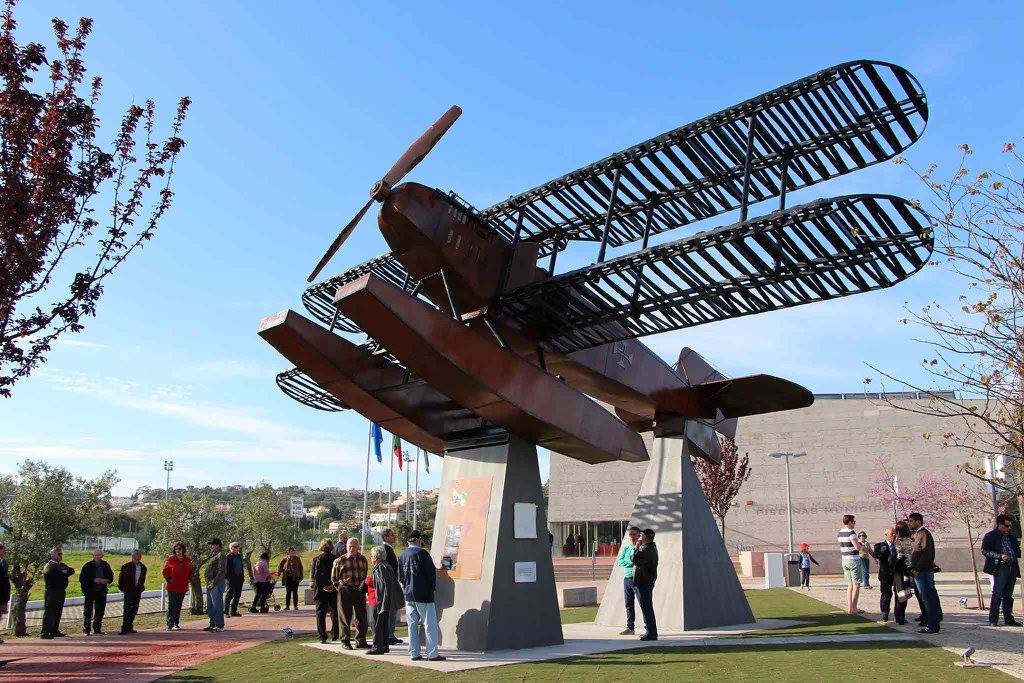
{"x": 842, "y": 438}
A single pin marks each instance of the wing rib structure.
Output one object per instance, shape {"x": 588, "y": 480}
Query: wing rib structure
{"x": 818, "y": 251}
{"x": 834, "y": 122}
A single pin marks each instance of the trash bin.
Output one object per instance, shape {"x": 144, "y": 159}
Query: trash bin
{"x": 792, "y": 569}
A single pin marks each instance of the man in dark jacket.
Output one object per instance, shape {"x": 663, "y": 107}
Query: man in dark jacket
{"x": 387, "y": 591}
{"x": 132, "y": 582}
{"x": 55, "y": 577}
{"x": 388, "y": 536}
{"x": 326, "y": 596}
{"x": 418, "y": 576}
{"x": 1002, "y": 554}
{"x": 234, "y": 575}
{"x": 5, "y": 583}
{"x": 645, "y": 573}
{"x": 885, "y": 554}
{"x": 95, "y": 576}
{"x": 922, "y": 566}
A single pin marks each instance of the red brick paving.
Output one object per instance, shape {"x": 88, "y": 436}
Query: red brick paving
{"x": 145, "y": 656}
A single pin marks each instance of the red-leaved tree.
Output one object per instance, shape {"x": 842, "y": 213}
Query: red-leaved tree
{"x": 722, "y": 481}
{"x": 55, "y": 250}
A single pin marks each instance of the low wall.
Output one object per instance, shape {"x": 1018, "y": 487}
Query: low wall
{"x": 951, "y": 559}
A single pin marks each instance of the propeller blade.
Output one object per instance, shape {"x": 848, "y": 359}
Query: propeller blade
{"x": 339, "y": 240}
{"x": 419, "y": 149}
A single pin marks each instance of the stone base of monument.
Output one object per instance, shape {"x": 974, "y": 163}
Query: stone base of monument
{"x": 496, "y": 585}
{"x": 589, "y": 638}
{"x": 697, "y": 586}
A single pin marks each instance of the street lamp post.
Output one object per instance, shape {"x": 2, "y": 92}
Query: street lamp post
{"x": 168, "y": 466}
{"x": 789, "y": 498}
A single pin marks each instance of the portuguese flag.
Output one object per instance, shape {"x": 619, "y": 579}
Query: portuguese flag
{"x": 396, "y": 450}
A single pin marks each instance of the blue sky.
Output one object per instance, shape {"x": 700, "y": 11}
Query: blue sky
{"x": 297, "y": 112}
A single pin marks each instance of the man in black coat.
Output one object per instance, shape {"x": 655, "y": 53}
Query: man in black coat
{"x": 55, "y": 578}
{"x": 326, "y": 596}
{"x": 885, "y": 555}
{"x": 1002, "y": 561}
{"x": 95, "y": 576}
{"x": 645, "y": 573}
{"x": 234, "y": 574}
{"x": 388, "y": 536}
{"x": 132, "y": 582}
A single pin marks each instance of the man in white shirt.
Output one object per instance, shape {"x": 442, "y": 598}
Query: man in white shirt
{"x": 849, "y": 548}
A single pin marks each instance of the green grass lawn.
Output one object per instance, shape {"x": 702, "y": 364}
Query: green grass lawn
{"x": 914, "y": 661}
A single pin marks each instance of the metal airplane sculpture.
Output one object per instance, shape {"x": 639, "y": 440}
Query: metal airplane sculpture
{"x": 469, "y": 327}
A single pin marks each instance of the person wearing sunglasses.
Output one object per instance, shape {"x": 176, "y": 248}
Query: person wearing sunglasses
{"x": 1001, "y": 549}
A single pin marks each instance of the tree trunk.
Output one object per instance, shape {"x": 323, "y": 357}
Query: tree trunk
{"x": 722, "y": 521}
{"x": 974, "y": 564}
{"x": 18, "y": 601}
{"x": 196, "y": 604}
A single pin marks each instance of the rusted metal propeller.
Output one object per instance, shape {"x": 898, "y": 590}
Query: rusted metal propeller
{"x": 380, "y": 191}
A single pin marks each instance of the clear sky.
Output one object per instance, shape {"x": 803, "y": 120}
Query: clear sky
{"x": 297, "y": 111}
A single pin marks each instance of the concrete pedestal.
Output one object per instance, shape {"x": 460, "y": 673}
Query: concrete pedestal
{"x": 499, "y": 593}
{"x": 697, "y": 585}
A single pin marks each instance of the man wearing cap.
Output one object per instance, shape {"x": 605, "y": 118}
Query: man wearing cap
{"x": 216, "y": 570}
{"x": 418, "y": 577}
{"x": 625, "y": 560}
{"x": 645, "y": 573}
{"x": 55, "y": 577}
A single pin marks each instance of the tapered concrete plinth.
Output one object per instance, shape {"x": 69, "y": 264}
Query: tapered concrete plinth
{"x": 482, "y": 607}
{"x": 697, "y": 585}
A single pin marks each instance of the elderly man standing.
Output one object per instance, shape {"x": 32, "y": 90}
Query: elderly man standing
{"x": 418, "y": 576}
{"x": 234, "y": 575}
{"x": 55, "y": 577}
{"x": 348, "y": 575}
{"x": 388, "y": 592}
{"x": 216, "y": 570}
{"x": 96, "y": 575}
{"x": 132, "y": 582}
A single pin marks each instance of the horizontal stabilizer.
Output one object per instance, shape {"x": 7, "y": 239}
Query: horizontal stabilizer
{"x": 736, "y": 397}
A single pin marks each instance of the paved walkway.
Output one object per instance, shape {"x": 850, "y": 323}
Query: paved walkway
{"x": 962, "y": 628}
{"x": 145, "y": 656}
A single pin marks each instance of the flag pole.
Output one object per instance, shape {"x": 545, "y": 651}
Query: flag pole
{"x": 407, "y": 492}
{"x": 416, "y": 493}
{"x": 366, "y": 485}
{"x": 391, "y": 483}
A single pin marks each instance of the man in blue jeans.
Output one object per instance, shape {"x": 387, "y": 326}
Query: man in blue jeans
{"x": 922, "y": 565}
{"x": 216, "y": 570}
{"x": 418, "y": 576}
{"x": 625, "y": 560}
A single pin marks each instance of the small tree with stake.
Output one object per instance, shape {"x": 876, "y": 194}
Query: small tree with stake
{"x": 190, "y": 519}
{"x": 41, "y": 508}
{"x": 722, "y": 481}
{"x": 52, "y": 170}
{"x": 262, "y": 523}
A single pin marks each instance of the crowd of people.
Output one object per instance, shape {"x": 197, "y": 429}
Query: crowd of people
{"x": 907, "y": 568}
{"x": 349, "y": 590}
{"x": 354, "y": 593}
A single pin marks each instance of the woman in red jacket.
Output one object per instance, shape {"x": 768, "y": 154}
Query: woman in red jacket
{"x": 177, "y": 572}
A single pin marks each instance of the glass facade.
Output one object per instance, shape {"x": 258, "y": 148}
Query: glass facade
{"x": 588, "y": 539}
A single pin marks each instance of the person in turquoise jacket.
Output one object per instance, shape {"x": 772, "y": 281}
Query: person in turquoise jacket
{"x": 625, "y": 560}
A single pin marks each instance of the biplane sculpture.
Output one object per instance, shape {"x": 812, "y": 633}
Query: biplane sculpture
{"x": 470, "y": 328}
